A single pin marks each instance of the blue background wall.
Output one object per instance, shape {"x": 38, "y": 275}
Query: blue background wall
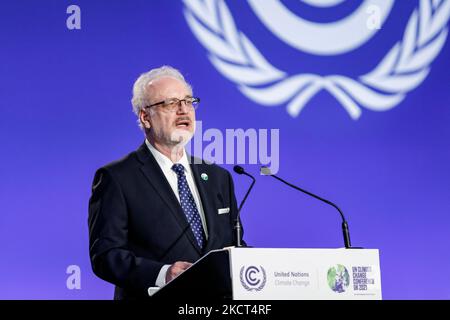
{"x": 65, "y": 111}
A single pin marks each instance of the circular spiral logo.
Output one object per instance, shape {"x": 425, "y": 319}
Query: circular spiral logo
{"x": 253, "y": 278}
{"x": 404, "y": 67}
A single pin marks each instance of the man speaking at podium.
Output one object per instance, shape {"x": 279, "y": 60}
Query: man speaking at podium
{"x": 157, "y": 210}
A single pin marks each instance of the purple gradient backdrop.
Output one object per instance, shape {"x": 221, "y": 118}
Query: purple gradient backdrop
{"x": 65, "y": 111}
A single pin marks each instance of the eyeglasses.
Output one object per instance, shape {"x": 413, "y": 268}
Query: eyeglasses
{"x": 173, "y": 104}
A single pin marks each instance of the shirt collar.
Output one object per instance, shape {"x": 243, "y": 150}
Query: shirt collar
{"x": 164, "y": 162}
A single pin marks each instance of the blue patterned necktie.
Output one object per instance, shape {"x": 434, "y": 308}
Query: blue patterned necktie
{"x": 188, "y": 204}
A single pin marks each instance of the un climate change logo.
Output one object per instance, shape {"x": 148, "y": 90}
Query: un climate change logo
{"x": 338, "y": 278}
{"x": 253, "y": 278}
{"x": 404, "y": 67}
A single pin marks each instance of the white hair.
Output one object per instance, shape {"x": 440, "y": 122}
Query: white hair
{"x": 141, "y": 97}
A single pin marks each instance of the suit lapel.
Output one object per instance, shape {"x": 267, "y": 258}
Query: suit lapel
{"x": 207, "y": 200}
{"x": 157, "y": 179}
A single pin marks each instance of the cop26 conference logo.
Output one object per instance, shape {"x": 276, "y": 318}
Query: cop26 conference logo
{"x": 404, "y": 67}
{"x": 338, "y": 278}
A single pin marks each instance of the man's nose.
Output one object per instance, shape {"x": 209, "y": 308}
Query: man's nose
{"x": 183, "y": 107}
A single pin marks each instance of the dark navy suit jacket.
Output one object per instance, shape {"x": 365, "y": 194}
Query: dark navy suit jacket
{"x": 136, "y": 224}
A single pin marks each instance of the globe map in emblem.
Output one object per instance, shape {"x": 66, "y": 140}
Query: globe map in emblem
{"x": 338, "y": 278}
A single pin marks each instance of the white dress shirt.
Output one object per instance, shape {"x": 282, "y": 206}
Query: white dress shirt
{"x": 166, "y": 166}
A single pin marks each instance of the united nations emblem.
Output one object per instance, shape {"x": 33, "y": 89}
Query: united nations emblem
{"x": 253, "y": 278}
{"x": 403, "y": 68}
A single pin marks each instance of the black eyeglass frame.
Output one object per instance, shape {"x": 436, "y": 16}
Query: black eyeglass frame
{"x": 194, "y": 103}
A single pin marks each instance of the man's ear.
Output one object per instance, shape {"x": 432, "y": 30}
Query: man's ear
{"x": 145, "y": 119}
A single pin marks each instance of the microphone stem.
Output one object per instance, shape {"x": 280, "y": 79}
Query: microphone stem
{"x": 346, "y": 234}
{"x": 238, "y": 232}
{"x": 345, "y": 229}
{"x": 237, "y": 225}
{"x": 248, "y": 191}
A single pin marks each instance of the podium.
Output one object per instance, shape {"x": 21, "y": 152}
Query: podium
{"x": 278, "y": 274}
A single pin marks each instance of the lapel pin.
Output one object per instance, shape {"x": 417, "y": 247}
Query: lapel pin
{"x": 204, "y": 176}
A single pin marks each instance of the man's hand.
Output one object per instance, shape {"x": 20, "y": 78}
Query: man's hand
{"x": 176, "y": 269}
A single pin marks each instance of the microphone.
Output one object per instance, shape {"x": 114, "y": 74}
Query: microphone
{"x": 345, "y": 231}
{"x": 237, "y": 225}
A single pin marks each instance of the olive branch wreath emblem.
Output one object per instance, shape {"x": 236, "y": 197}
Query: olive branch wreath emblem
{"x": 248, "y": 288}
{"x": 402, "y": 69}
